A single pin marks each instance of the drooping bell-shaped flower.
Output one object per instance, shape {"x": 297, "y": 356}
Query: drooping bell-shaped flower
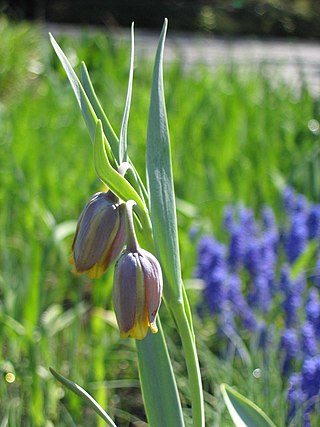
{"x": 137, "y": 290}
{"x": 100, "y": 234}
{"x": 137, "y": 287}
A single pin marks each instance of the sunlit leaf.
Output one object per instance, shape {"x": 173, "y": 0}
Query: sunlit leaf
{"x": 123, "y": 151}
{"x": 87, "y": 111}
{"x": 243, "y": 412}
{"x": 160, "y": 182}
{"x": 107, "y": 128}
{"x": 108, "y": 175}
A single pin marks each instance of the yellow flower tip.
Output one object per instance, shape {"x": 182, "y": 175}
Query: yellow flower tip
{"x": 153, "y": 327}
{"x": 139, "y": 329}
{"x": 138, "y": 333}
{"x": 96, "y": 271}
{"x": 124, "y": 334}
{"x": 71, "y": 259}
{"x": 137, "y": 289}
{"x": 73, "y": 266}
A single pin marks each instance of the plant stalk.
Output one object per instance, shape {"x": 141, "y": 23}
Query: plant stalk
{"x": 190, "y": 353}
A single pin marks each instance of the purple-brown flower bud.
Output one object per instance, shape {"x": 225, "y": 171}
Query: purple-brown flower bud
{"x": 137, "y": 290}
{"x": 100, "y": 234}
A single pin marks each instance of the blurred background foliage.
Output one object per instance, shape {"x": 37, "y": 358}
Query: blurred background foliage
{"x": 240, "y": 137}
{"x": 299, "y": 18}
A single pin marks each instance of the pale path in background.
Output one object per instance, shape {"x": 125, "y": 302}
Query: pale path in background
{"x": 282, "y": 58}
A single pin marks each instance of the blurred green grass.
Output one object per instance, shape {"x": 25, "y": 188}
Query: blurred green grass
{"x": 236, "y": 137}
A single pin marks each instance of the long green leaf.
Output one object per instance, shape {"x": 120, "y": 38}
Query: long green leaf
{"x": 165, "y": 230}
{"x": 160, "y": 182}
{"x": 75, "y": 388}
{"x": 108, "y": 175}
{"x": 158, "y": 384}
{"x": 243, "y": 412}
{"x": 107, "y": 128}
{"x": 81, "y": 97}
{"x": 86, "y": 108}
{"x": 123, "y": 151}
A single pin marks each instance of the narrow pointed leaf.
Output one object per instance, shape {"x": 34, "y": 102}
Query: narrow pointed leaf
{"x": 107, "y": 128}
{"x": 75, "y": 388}
{"x": 160, "y": 182}
{"x": 243, "y": 412}
{"x": 88, "y": 113}
{"x": 164, "y": 226}
{"x": 108, "y": 175}
{"x": 123, "y": 152}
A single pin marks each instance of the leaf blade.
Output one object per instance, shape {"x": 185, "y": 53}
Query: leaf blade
{"x": 88, "y": 113}
{"x": 79, "y": 391}
{"x": 160, "y": 181}
{"x": 91, "y": 94}
{"x": 108, "y": 175}
{"x": 123, "y": 149}
{"x": 159, "y": 389}
{"x": 243, "y": 412}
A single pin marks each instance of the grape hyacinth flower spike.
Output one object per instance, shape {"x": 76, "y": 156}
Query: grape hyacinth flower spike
{"x": 137, "y": 286}
{"x": 100, "y": 234}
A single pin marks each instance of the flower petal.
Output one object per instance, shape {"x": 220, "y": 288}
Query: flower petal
{"x": 153, "y": 283}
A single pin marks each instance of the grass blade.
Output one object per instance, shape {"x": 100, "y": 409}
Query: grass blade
{"x": 75, "y": 388}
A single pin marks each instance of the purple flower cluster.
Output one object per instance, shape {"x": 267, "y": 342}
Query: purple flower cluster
{"x": 257, "y": 273}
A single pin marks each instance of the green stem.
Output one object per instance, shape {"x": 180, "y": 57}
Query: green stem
{"x": 182, "y": 314}
{"x": 187, "y": 309}
{"x": 133, "y": 178}
{"x": 132, "y": 243}
{"x": 190, "y": 353}
{"x": 146, "y": 227}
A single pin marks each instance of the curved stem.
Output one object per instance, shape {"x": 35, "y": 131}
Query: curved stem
{"x": 136, "y": 181}
{"x": 146, "y": 226}
{"x": 132, "y": 243}
{"x": 123, "y": 168}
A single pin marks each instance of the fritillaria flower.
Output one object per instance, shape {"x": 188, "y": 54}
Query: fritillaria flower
{"x": 137, "y": 293}
{"x": 137, "y": 286}
{"x": 100, "y": 234}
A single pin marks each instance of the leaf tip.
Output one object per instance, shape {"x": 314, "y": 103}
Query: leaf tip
{"x": 53, "y": 372}
{"x": 52, "y": 39}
